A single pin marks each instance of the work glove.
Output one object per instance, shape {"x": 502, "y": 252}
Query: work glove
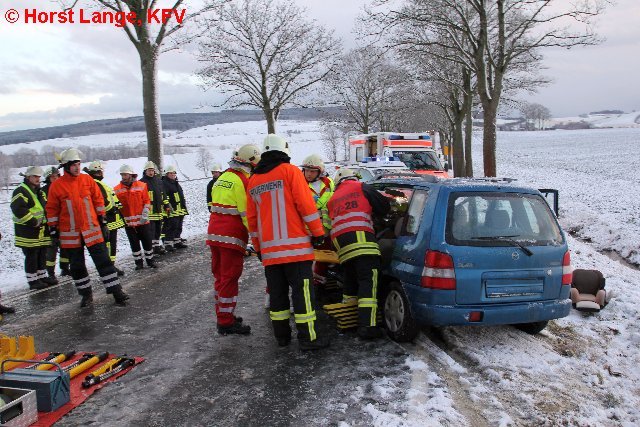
{"x": 144, "y": 218}
{"x": 317, "y": 242}
{"x": 53, "y": 232}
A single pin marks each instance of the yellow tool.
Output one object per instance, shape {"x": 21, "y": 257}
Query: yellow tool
{"x": 88, "y": 364}
{"x": 329, "y": 257}
{"x": 58, "y": 359}
{"x": 104, "y": 368}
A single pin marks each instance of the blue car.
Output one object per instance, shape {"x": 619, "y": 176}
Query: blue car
{"x": 470, "y": 252}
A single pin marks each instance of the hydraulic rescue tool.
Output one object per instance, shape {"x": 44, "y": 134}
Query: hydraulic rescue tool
{"x": 53, "y": 357}
{"x": 102, "y": 374}
{"x": 87, "y": 364}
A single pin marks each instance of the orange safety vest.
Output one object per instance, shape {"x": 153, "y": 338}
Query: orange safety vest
{"x": 134, "y": 199}
{"x": 282, "y": 215}
{"x": 349, "y": 209}
{"x": 228, "y": 211}
{"x": 73, "y": 206}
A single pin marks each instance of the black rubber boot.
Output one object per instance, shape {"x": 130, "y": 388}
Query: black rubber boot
{"x": 181, "y": 245}
{"x": 50, "y": 281}
{"x": 283, "y": 341}
{"x": 317, "y": 344}
{"x": 159, "y": 250}
{"x": 151, "y": 263}
{"x": 120, "y": 272}
{"x": 87, "y": 297}
{"x": 139, "y": 264}
{"x": 5, "y": 309}
{"x": 119, "y": 296}
{"x": 236, "y": 328}
{"x": 37, "y": 285}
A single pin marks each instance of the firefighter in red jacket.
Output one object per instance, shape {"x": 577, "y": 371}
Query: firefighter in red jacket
{"x": 282, "y": 215}
{"x": 228, "y": 236}
{"x": 75, "y": 214}
{"x": 351, "y": 208}
{"x": 136, "y": 207}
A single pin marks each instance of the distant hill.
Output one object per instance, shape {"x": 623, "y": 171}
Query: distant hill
{"x": 180, "y": 122}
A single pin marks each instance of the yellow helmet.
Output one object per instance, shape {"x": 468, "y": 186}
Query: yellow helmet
{"x": 127, "y": 169}
{"x": 248, "y": 154}
{"x": 313, "y": 161}
{"x": 96, "y": 166}
{"x": 344, "y": 173}
{"x": 275, "y": 143}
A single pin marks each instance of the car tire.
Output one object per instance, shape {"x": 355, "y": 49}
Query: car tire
{"x": 398, "y": 320}
{"x": 532, "y": 328}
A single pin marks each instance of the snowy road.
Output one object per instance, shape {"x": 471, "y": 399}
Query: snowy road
{"x": 450, "y": 376}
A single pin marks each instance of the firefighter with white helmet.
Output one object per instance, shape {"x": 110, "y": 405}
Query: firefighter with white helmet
{"x": 51, "y": 174}
{"x": 159, "y": 204}
{"x": 228, "y": 236}
{"x": 284, "y": 225}
{"x": 351, "y": 208}
{"x": 178, "y": 210}
{"x": 112, "y": 206}
{"x": 322, "y": 189}
{"x": 75, "y": 213}
{"x": 216, "y": 171}
{"x": 136, "y": 206}
{"x": 31, "y": 231}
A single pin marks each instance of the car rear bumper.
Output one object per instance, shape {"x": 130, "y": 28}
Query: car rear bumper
{"x": 503, "y": 314}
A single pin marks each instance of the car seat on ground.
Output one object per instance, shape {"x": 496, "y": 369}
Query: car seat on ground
{"x": 587, "y": 290}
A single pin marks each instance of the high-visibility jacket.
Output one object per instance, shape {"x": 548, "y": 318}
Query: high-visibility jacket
{"x": 134, "y": 199}
{"x": 156, "y": 196}
{"x": 112, "y": 206}
{"x": 322, "y": 190}
{"x": 228, "y": 225}
{"x": 29, "y": 217}
{"x": 349, "y": 209}
{"x": 73, "y": 206}
{"x": 282, "y": 215}
{"x": 174, "y": 193}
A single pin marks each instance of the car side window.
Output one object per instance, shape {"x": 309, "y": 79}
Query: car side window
{"x": 415, "y": 211}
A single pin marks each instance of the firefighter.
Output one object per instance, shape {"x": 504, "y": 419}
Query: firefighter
{"x": 228, "y": 236}
{"x": 5, "y": 309}
{"x": 322, "y": 189}
{"x": 159, "y": 203}
{"x": 136, "y": 208}
{"x": 50, "y": 175}
{"x": 75, "y": 213}
{"x": 282, "y": 215}
{"x": 216, "y": 171}
{"x": 31, "y": 232}
{"x": 177, "y": 212}
{"x": 351, "y": 208}
{"x": 112, "y": 208}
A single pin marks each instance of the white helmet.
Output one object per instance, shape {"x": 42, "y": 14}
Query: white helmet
{"x": 170, "y": 169}
{"x": 70, "y": 155}
{"x": 149, "y": 165}
{"x": 313, "y": 161}
{"x": 275, "y": 143}
{"x": 34, "y": 171}
{"x": 343, "y": 174}
{"x": 52, "y": 170}
{"x": 96, "y": 166}
{"x": 215, "y": 167}
{"x": 248, "y": 154}
{"x": 127, "y": 169}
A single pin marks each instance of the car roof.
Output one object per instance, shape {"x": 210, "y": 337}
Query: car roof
{"x": 459, "y": 184}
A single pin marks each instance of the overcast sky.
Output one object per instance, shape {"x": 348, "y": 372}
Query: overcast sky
{"x": 67, "y": 73}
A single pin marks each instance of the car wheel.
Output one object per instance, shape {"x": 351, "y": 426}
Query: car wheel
{"x": 532, "y": 328}
{"x": 397, "y": 315}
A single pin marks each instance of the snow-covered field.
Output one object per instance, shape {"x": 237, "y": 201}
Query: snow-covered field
{"x": 582, "y": 370}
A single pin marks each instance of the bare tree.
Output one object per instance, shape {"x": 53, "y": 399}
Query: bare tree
{"x": 500, "y": 41}
{"x": 5, "y": 171}
{"x": 266, "y": 54}
{"x": 203, "y": 160}
{"x": 535, "y": 115}
{"x": 152, "y": 33}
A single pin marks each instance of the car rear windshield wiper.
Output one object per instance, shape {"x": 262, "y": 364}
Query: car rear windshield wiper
{"x": 505, "y": 239}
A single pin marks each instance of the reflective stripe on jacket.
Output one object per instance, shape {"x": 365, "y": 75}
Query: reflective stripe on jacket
{"x": 73, "y": 205}
{"x": 112, "y": 206}
{"x": 29, "y": 217}
{"x": 349, "y": 209}
{"x": 173, "y": 191}
{"x": 282, "y": 215}
{"x": 322, "y": 190}
{"x": 134, "y": 199}
{"x": 228, "y": 219}
{"x": 156, "y": 196}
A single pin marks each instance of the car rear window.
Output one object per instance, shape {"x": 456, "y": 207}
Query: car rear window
{"x": 491, "y": 219}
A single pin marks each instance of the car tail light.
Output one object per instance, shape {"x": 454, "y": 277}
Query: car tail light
{"x": 475, "y": 316}
{"x": 438, "y": 272}
{"x": 567, "y": 270}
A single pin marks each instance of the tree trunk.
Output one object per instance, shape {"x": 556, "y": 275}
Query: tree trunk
{"x": 489, "y": 138}
{"x": 271, "y": 121}
{"x": 468, "y": 136}
{"x": 152, "y": 122}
